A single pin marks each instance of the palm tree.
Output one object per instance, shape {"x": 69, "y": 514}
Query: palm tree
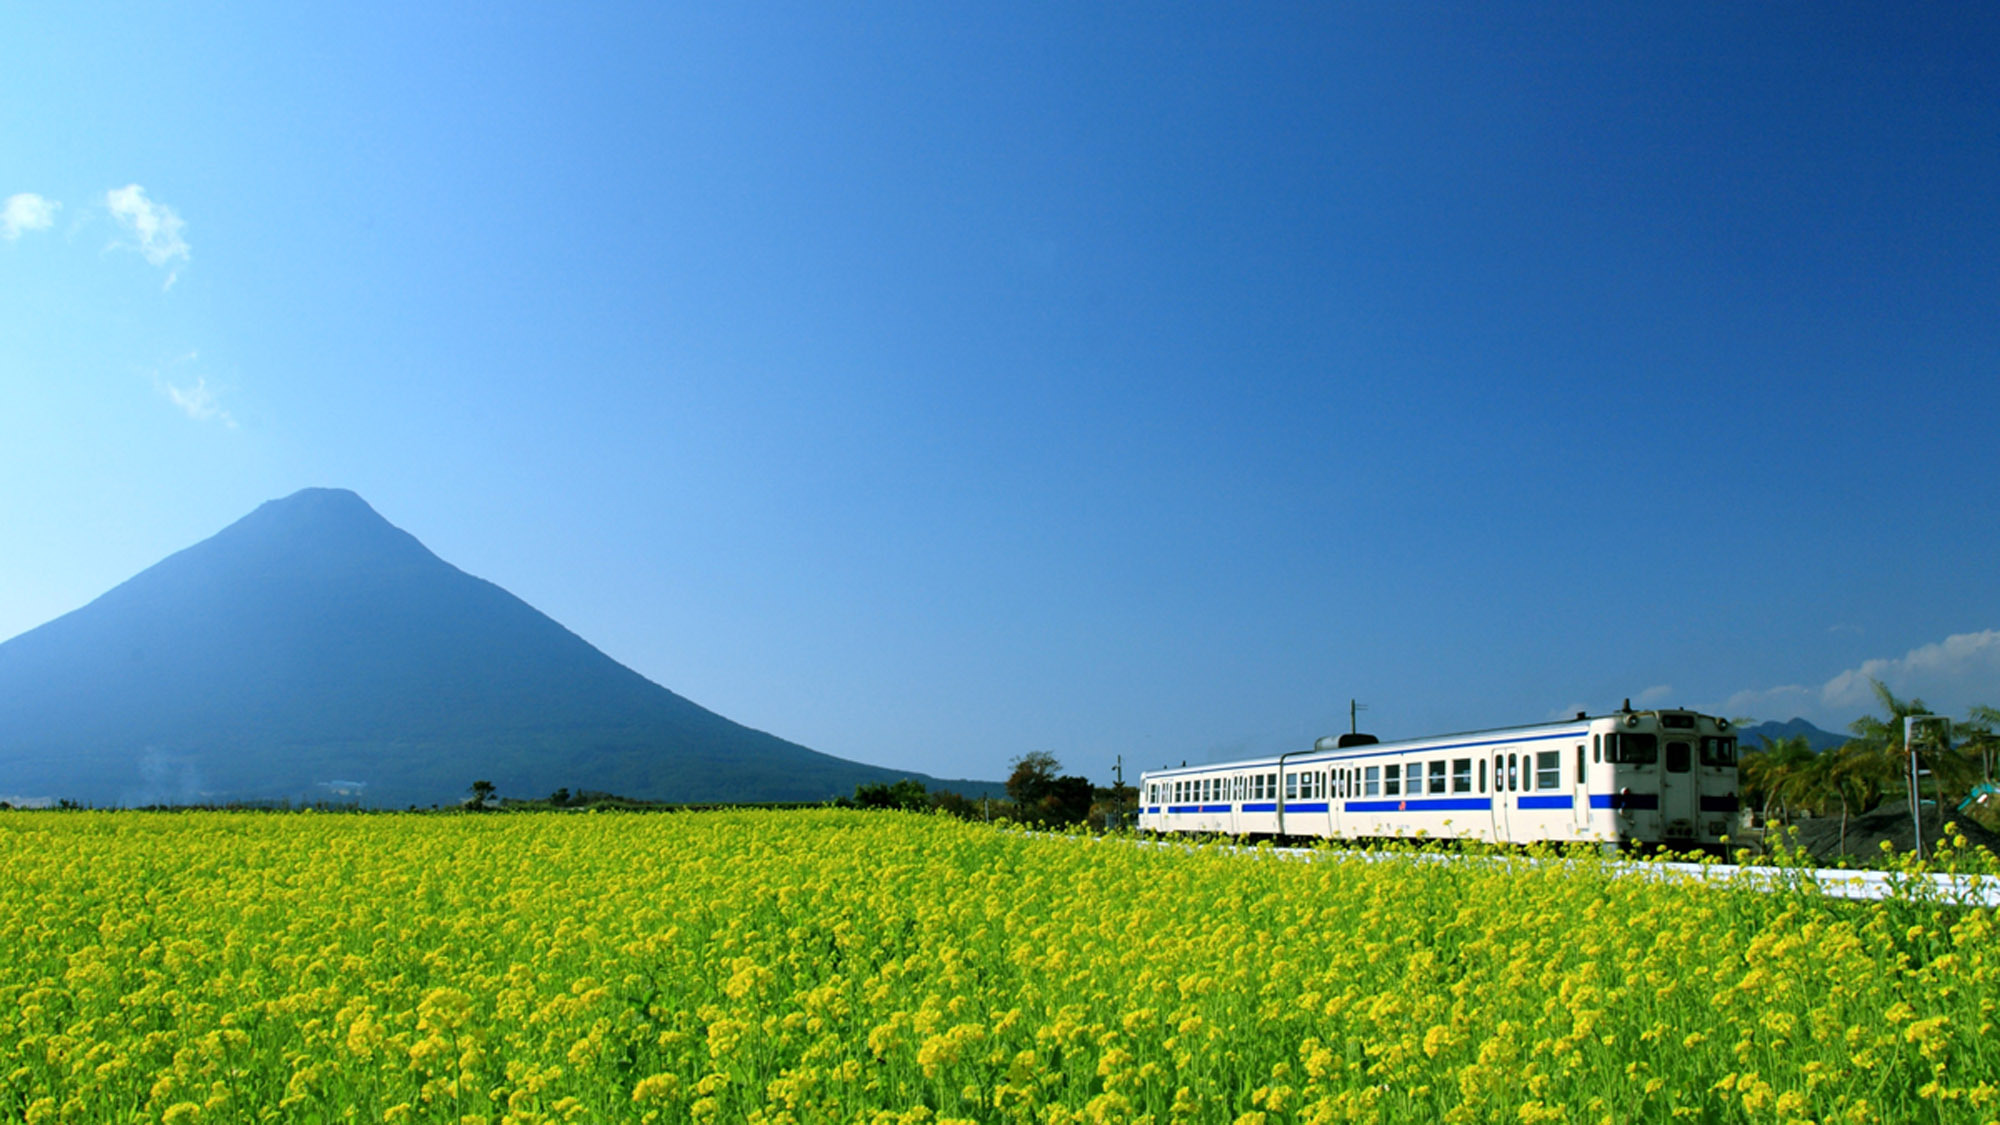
{"x": 1979, "y": 724}
{"x": 1883, "y": 736}
{"x": 1953, "y": 772}
{"x": 1852, "y": 775}
{"x": 1777, "y": 772}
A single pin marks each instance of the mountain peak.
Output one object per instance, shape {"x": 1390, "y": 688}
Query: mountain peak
{"x": 315, "y": 533}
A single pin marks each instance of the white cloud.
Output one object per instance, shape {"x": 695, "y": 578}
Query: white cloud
{"x": 197, "y": 400}
{"x": 26, "y": 211}
{"x": 1654, "y": 694}
{"x": 199, "y": 403}
{"x": 1951, "y": 676}
{"x": 155, "y": 225}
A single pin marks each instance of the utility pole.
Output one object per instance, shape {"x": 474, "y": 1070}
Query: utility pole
{"x": 1353, "y": 716}
{"x": 1910, "y": 724}
{"x": 1117, "y": 793}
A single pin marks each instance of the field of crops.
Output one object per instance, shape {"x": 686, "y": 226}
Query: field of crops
{"x": 840, "y": 966}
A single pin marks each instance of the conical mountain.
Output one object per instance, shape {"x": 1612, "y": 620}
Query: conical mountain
{"x": 313, "y": 650}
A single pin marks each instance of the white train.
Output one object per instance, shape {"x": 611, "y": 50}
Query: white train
{"x": 1632, "y": 777}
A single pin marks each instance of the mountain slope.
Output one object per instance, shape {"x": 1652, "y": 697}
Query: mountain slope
{"x": 312, "y": 647}
{"x": 1755, "y": 737}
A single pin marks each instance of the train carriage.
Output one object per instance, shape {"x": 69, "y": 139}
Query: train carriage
{"x": 1655, "y": 777}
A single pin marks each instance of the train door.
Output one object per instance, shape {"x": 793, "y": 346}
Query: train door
{"x": 1579, "y": 790}
{"x": 1336, "y": 793}
{"x": 1679, "y": 789}
{"x": 1503, "y": 800}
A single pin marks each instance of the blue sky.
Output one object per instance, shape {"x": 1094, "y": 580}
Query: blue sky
{"x": 930, "y": 386}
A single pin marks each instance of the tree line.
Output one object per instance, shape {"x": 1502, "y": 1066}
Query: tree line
{"x": 1786, "y": 776}
{"x": 1038, "y": 793}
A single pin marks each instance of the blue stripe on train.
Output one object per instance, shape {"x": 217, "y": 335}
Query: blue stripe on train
{"x": 1718, "y": 804}
{"x": 1563, "y": 802}
{"x": 1421, "y": 804}
{"x": 1628, "y": 801}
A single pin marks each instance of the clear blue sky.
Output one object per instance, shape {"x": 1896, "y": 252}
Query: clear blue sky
{"x": 932, "y": 384}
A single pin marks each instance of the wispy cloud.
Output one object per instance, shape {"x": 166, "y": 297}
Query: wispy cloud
{"x": 155, "y": 225}
{"x": 1950, "y": 675}
{"x": 1655, "y": 694}
{"x": 26, "y": 211}
{"x": 197, "y": 399}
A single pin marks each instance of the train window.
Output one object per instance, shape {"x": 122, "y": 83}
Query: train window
{"x": 1371, "y": 781}
{"x": 1635, "y": 749}
{"x": 1513, "y": 773}
{"x": 1718, "y": 751}
{"x": 1579, "y": 763}
{"x": 1461, "y": 775}
{"x": 1392, "y": 781}
{"x": 1596, "y": 747}
{"x": 1271, "y": 786}
{"x": 1291, "y": 787}
{"x": 1482, "y": 775}
{"x": 1680, "y": 757}
{"x": 1437, "y": 776}
{"x": 1548, "y": 769}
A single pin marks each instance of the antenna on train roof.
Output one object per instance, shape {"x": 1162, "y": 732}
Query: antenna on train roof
{"x": 1627, "y": 707}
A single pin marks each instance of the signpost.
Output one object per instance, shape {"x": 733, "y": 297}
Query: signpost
{"x": 1910, "y": 725}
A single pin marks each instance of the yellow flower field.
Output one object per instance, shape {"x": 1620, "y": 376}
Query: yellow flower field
{"x": 849, "y": 966}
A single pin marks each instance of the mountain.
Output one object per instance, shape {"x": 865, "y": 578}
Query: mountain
{"x": 312, "y": 650}
{"x": 1754, "y": 737}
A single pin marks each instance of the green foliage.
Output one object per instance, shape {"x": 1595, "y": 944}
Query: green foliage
{"x": 907, "y": 794}
{"x": 1044, "y": 797}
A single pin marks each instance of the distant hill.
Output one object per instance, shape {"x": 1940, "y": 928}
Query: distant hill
{"x": 1754, "y": 737}
{"x": 313, "y": 651}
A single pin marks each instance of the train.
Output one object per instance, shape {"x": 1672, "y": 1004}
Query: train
{"x": 1630, "y": 779}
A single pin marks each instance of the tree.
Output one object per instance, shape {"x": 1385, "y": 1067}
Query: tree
{"x": 1851, "y": 775}
{"x": 1953, "y": 772}
{"x": 1042, "y": 796}
{"x": 1777, "y": 772}
{"x": 480, "y": 791}
{"x": 1981, "y": 742}
{"x": 1034, "y": 774}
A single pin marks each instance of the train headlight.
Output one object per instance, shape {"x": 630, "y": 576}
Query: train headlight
{"x": 1722, "y": 724}
{"x": 1631, "y": 720}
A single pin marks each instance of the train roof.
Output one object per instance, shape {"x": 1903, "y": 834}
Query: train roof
{"x": 1402, "y": 745}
